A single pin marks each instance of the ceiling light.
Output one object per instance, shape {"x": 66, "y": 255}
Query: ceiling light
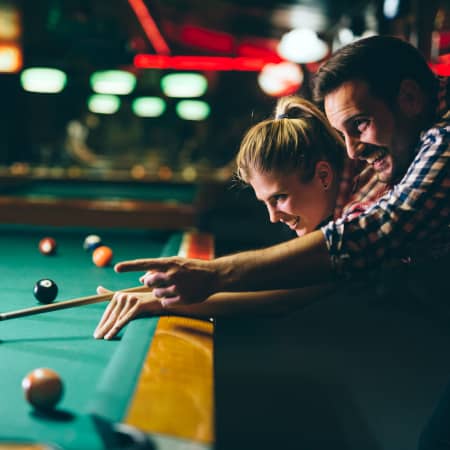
{"x": 148, "y": 106}
{"x": 345, "y": 36}
{"x": 118, "y": 82}
{"x": 43, "y": 80}
{"x": 296, "y": 16}
{"x": 10, "y": 57}
{"x": 391, "y": 8}
{"x": 183, "y": 85}
{"x": 103, "y": 104}
{"x": 302, "y": 45}
{"x": 192, "y": 109}
{"x": 280, "y": 79}
{"x": 10, "y": 23}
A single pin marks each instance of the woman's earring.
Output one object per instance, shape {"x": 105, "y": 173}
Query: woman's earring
{"x": 325, "y": 186}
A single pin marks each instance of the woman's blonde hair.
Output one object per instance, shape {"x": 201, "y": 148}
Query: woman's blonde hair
{"x": 296, "y": 139}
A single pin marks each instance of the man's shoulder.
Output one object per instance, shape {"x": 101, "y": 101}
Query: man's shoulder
{"x": 443, "y": 120}
{"x": 438, "y": 133}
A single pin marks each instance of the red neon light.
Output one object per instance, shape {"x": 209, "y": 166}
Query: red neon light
{"x": 258, "y": 51}
{"x": 207, "y": 39}
{"x": 149, "y": 27}
{"x": 444, "y": 59}
{"x": 202, "y": 63}
{"x": 443, "y": 39}
{"x": 219, "y": 63}
{"x": 441, "y": 69}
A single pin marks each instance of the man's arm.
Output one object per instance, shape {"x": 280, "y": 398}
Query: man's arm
{"x": 299, "y": 262}
{"x": 296, "y": 263}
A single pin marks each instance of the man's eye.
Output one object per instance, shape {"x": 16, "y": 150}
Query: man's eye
{"x": 360, "y": 125}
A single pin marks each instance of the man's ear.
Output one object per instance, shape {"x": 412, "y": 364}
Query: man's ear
{"x": 411, "y": 98}
{"x": 324, "y": 173}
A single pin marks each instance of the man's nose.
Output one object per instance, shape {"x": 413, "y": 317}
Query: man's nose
{"x": 353, "y": 146}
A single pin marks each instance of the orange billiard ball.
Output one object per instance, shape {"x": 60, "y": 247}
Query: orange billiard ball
{"x": 47, "y": 246}
{"x": 102, "y": 256}
{"x": 43, "y": 388}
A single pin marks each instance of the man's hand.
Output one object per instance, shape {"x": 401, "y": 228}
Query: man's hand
{"x": 175, "y": 279}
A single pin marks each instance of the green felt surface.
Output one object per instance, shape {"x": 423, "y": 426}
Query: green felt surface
{"x": 62, "y": 340}
{"x": 66, "y": 189}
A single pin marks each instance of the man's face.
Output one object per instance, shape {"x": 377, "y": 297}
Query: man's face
{"x": 373, "y": 132}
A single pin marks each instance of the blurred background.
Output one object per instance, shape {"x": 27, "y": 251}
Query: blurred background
{"x": 162, "y": 91}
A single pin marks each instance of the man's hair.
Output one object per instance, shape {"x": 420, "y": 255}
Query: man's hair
{"x": 295, "y": 140}
{"x": 380, "y": 61}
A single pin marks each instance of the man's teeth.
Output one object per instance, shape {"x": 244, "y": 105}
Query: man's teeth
{"x": 376, "y": 156}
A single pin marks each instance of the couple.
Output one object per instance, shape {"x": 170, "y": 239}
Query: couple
{"x": 386, "y": 202}
{"x": 389, "y": 111}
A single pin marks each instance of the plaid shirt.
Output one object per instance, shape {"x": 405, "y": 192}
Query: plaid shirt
{"x": 358, "y": 189}
{"x": 409, "y": 219}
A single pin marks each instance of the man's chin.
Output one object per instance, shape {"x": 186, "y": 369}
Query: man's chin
{"x": 384, "y": 177}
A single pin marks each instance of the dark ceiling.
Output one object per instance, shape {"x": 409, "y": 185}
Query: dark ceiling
{"x": 108, "y": 32}
{"x": 82, "y": 36}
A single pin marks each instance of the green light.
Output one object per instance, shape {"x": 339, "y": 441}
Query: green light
{"x": 193, "y": 109}
{"x": 116, "y": 82}
{"x": 182, "y": 85}
{"x": 148, "y": 106}
{"x": 43, "y": 80}
{"x": 103, "y": 104}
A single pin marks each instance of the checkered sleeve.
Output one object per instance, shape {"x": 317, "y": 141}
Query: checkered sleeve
{"x": 414, "y": 211}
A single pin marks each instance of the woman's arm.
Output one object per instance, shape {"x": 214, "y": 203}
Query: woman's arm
{"x": 125, "y": 306}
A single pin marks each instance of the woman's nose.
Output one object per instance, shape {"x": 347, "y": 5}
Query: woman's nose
{"x": 273, "y": 214}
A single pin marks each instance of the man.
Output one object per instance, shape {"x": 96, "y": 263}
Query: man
{"x": 380, "y": 94}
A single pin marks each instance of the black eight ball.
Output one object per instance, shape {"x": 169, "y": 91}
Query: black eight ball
{"x": 45, "y": 290}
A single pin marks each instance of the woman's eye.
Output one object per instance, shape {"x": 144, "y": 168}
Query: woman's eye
{"x": 280, "y": 198}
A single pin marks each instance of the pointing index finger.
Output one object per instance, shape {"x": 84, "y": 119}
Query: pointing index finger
{"x": 161, "y": 264}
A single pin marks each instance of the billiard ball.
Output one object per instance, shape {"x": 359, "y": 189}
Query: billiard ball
{"x": 102, "y": 256}
{"x": 43, "y": 388}
{"x": 91, "y": 242}
{"x": 45, "y": 290}
{"x": 47, "y": 246}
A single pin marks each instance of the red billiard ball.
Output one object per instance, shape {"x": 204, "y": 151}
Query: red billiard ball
{"x": 43, "y": 388}
{"x": 47, "y": 246}
{"x": 102, "y": 256}
{"x": 45, "y": 290}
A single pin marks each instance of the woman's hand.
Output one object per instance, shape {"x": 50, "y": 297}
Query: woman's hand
{"x": 123, "y": 307}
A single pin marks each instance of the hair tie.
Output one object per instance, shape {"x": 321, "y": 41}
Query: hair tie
{"x": 283, "y": 116}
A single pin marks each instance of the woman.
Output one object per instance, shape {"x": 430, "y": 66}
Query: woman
{"x": 297, "y": 166}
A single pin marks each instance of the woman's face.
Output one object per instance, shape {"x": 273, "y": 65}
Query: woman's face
{"x": 301, "y": 206}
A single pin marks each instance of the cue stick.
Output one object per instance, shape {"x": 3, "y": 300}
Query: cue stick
{"x": 68, "y": 303}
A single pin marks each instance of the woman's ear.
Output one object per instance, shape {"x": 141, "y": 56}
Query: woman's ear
{"x": 324, "y": 173}
{"x": 411, "y": 99}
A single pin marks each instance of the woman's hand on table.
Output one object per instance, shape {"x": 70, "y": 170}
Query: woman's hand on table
{"x": 122, "y": 308}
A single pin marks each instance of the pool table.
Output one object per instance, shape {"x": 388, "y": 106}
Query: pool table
{"x": 103, "y": 203}
{"x": 155, "y": 378}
